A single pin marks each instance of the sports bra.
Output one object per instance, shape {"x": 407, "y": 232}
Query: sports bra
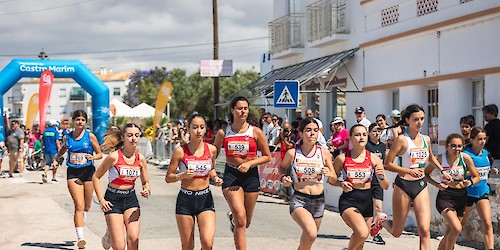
{"x": 242, "y": 145}
{"x": 123, "y": 173}
{"x": 307, "y": 168}
{"x": 415, "y": 157}
{"x": 201, "y": 165}
{"x": 358, "y": 173}
{"x": 458, "y": 171}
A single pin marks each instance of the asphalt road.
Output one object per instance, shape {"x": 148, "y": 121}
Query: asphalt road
{"x": 40, "y": 216}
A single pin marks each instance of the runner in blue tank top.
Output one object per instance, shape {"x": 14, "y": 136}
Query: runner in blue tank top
{"x": 478, "y": 193}
{"x": 81, "y": 145}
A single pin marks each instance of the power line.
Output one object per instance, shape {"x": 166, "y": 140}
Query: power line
{"x": 139, "y": 49}
{"x": 44, "y": 9}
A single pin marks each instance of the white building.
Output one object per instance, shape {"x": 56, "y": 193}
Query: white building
{"x": 66, "y": 96}
{"x": 442, "y": 55}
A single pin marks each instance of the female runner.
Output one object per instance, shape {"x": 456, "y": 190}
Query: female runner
{"x": 410, "y": 185}
{"x": 196, "y": 161}
{"x": 478, "y": 193}
{"x": 120, "y": 204}
{"x": 241, "y": 177}
{"x": 358, "y": 166}
{"x": 81, "y": 145}
{"x": 451, "y": 198}
{"x": 309, "y": 163}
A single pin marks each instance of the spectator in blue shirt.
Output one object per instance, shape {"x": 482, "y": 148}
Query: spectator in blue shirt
{"x": 51, "y": 145}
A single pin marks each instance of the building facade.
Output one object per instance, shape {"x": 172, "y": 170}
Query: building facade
{"x": 442, "y": 55}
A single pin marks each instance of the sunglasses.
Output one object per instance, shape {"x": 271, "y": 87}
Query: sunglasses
{"x": 274, "y": 119}
{"x": 456, "y": 146}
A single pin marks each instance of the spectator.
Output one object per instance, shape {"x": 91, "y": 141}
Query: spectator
{"x": 209, "y": 136}
{"x": 321, "y": 137}
{"x": 268, "y": 125}
{"x": 466, "y": 125}
{"x": 3, "y": 150}
{"x": 295, "y": 131}
{"x": 361, "y": 117}
{"x": 14, "y": 143}
{"x": 397, "y": 128}
{"x": 339, "y": 140}
{"x": 51, "y": 145}
{"x": 490, "y": 113}
{"x": 286, "y": 139}
{"x": 386, "y": 131}
{"x": 274, "y": 133}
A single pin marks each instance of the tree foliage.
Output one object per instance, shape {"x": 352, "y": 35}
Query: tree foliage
{"x": 191, "y": 93}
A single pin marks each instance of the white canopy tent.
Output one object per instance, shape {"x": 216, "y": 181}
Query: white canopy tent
{"x": 144, "y": 110}
{"x": 118, "y": 108}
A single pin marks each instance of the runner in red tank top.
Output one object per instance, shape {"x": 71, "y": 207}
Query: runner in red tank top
{"x": 120, "y": 202}
{"x": 241, "y": 176}
{"x": 357, "y": 167}
{"x": 196, "y": 161}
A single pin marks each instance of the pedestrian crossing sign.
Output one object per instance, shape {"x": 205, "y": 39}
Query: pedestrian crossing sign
{"x": 286, "y": 94}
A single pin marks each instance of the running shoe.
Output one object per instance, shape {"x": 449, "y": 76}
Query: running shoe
{"x": 54, "y": 181}
{"x": 231, "y": 221}
{"x": 81, "y": 243}
{"x": 44, "y": 178}
{"x": 378, "y": 240}
{"x": 106, "y": 241}
{"x": 376, "y": 227}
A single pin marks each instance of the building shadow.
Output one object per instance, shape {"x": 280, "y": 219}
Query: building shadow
{"x": 66, "y": 245}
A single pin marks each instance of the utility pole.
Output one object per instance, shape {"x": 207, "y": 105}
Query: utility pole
{"x": 216, "y": 57}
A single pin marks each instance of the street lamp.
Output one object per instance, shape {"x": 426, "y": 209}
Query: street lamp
{"x": 42, "y": 55}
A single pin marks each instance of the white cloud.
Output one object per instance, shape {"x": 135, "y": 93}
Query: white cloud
{"x": 124, "y": 25}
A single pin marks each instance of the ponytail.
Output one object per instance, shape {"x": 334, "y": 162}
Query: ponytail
{"x": 113, "y": 138}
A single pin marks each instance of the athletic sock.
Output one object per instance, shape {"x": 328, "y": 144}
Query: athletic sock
{"x": 79, "y": 233}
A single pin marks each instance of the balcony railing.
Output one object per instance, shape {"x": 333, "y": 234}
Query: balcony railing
{"x": 285, "y": 33}
{"x": 16, "y": 115}
{"x": 77, "y": 97}
{"x": 325, "y": 18}
{"x": 14, "y": 99}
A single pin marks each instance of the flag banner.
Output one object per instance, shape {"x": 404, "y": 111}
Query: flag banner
{"x": 46, "y": 80}
{"x": 161, "y": 102}
{"x": 32, "y": 111}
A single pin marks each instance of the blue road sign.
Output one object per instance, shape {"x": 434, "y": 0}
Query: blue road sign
{"x": 286, "y": 94}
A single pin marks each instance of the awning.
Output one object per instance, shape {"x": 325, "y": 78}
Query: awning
{"x": 302, "y": 72}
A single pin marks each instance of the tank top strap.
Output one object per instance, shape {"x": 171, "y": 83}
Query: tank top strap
{"x": 206, "y": 149}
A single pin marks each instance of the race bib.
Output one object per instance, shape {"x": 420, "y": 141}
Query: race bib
{"x": 308, "y": 172}
{"x": 483, "y": 172}
{"x": 419, "y": 156}
{"x": 201, "y": 167}
{"x": 359, "y": 175}
{"x": 78, "y": 158}
{"x": 129, "y": 172}
{"x": 238, "y": 147}
{"x": 456, "y": 172}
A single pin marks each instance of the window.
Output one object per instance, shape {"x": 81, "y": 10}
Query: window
{"x": 478, "y": 102}
{"x": 116, "y": 91}
{"x": 62, "y": 92}
{"x": 62, "y": 110}
{"x": 48, "y": 110}
{"x": 395, "y": 100}
{"x": 433, "y": 108}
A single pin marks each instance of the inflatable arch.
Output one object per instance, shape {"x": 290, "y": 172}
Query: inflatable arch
{"x": 19, "y": 68}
